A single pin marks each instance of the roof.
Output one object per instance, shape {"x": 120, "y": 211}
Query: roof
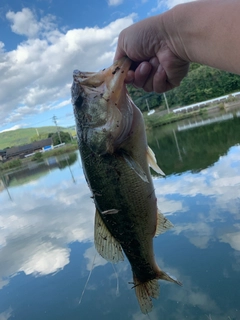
{"x": 27, "y": 148}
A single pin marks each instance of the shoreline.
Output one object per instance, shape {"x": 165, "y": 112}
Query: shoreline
{"x": 158, "y": 119}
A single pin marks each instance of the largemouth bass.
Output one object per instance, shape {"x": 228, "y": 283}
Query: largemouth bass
{"x": 115, "y": 159}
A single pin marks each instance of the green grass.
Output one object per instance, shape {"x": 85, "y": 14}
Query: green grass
{"x": 11, "y": 164}
{"x": 65, "y": 149}
{"x": 15, "y": 163}
{"x": 24, "y": 136}
{"x": 155, "y": 121}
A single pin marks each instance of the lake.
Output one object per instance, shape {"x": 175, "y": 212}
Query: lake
{"x": 46, "y": 235}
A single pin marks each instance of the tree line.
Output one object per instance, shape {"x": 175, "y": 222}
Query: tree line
{"x": 65, "y": 137}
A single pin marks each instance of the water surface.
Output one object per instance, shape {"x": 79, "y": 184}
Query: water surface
{"x": 46, "y": 235}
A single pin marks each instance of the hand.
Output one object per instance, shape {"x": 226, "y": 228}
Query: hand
{"x": 158, "y": 67}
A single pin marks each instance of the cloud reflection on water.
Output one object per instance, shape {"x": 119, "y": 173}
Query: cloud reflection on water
{"x": 6, "y": 314}
{"x": 47, "y": 216}
{"x": 218, "y": 186}
{"x": 38, "y": 226}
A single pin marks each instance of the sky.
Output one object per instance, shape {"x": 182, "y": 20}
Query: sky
{"x": 43, "y": 41}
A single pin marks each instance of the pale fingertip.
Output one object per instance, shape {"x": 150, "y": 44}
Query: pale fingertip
{"x": 142, "y": 73}
{"x": 154, "y": 62}
{"x": 160, "y": 80}
{"x": 144, "y": 69}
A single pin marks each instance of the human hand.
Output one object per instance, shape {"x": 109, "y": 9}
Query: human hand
{"x": 159, "y": 68}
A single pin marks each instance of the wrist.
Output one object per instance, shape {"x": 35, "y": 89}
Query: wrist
{"x": 173, "y": 25}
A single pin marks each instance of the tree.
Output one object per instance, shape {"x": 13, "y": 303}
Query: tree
{"x": 203, "y": 83}
{"x": 139, "y": 97}
{"x": 40, "y": 136}
{"x": 65, "y": 137}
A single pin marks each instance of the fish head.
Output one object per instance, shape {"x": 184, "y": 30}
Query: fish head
{"x": 102, "y": 107}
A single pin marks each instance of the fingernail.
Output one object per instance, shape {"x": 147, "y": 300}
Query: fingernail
{"x": 154, "y": 62}
{"x": 145, "y": 68}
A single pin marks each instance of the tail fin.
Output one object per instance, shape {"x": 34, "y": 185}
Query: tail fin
{"x": 145, "y": 291}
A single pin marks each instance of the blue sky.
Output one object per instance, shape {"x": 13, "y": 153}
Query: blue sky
{"x": 43, "y": 41}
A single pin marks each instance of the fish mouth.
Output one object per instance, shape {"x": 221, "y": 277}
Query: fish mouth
{"x": 102, "y": 98}
{"x": 108, "y": 82}
{"x": 115, "y": 76}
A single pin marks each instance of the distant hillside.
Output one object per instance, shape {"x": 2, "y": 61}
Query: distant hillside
{"x": 23, "y": 136}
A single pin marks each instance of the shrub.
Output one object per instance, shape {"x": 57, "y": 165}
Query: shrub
{"x": 37, "y": 156}
{"x": 11, "y": 164}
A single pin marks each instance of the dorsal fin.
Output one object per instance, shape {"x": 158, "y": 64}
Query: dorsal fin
{"x": 151, "y": 159}
{"x": 106, "y": 245}
{"x": 163, "y": 224}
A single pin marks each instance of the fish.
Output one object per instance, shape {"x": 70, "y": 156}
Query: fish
{"x": 116, "y": 161}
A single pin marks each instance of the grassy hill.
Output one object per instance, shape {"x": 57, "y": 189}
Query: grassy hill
{"x": 24, "y": 136}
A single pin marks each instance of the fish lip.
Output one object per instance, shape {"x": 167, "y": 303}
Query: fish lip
{"x": 117, "y": 74}
{"x": 112, "y": 76}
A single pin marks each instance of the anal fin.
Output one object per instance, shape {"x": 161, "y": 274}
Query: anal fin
{"x": 106, "y": 245}
{"x": 163, "y": 224}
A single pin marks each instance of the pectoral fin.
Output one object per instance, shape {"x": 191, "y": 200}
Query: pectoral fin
{"x": 163, "y": 224}
{"x": 151, "y": 159}
{"x": 134, "y": 165}
{"x": 106, "y": 245}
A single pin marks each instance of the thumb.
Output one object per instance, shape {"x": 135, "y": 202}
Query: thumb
{"x": 120, "y": 52}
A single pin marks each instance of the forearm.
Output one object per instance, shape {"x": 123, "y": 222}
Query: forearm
{"x": 206, "y": 32}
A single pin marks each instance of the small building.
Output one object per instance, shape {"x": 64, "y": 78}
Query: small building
{"x": 2, "y": 155}
{"x": 27, "y": 149}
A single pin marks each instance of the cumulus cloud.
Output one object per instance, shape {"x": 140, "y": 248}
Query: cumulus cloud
{"x": 37, "y": 74}
{"x": 23, "y": 22}
{"x": 26, "y": 23}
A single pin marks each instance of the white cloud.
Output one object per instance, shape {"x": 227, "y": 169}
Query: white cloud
{"x": 167, "y": 3}
{"x": 6, "y": 314}
{"x": 35, "y": 239}
{"x": 37, "y": 74}
{"x": 198, "y": 233}
{"x": 232, "y": 238}
{"x": 94, "y": 259}
{"x": 173, "y": 3}
{"x": 17, "y": 126}
{"x": 220, "y": 183}
{"x": 26, "y": 23}
{"x": 168, "y": 207}
{"x": 114, "y": 2}
{"x": 23, "y": 22}
{"x": 46, "y": 259}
